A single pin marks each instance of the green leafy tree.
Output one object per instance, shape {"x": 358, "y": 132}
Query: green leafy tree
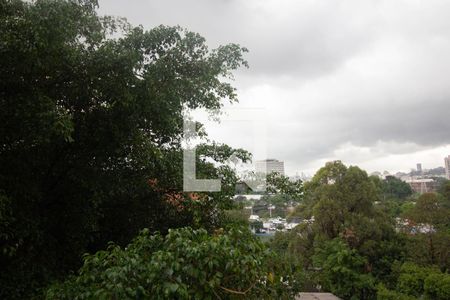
{"x": 340, "y": 204}
{"x": 92, "y": 118}
{"x": 396, "y": 188}
{"x": 437, "y": 286}
{"x": 184, "y": 264}
{"x": 342, "y": 201}
{"x": 430, "y": 246}
{"x": 416, "y": 282}
{"x": 385, "y": 294}
{"x": 406, "y": 207}
{"x": 429, "y": 209}
{"x": 343, "y": 271}
{"x": 282, "y": 185}
{"x": 411, "y": 279}
{"x": 444, "y": 189}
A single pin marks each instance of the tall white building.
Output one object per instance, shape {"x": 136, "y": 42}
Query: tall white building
{"x": 447, "y": 166}
{"x": 419, "y": 168}
{"x": 269, "y": 165}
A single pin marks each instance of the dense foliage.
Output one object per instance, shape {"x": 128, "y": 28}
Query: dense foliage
{"x": 418, "y": 282}
{"x": 184, "y": 264}
{"x": 92, "y": 118}
{"x": 353, "y": 244}
{"x": 343, "y": 270}
{"x": 393, "y": 187}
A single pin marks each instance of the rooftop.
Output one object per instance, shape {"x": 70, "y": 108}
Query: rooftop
{"x": 316, "y": 296}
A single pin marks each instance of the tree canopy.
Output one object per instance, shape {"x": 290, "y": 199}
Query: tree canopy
{"x": 184, "y": 264}
{"x": 92, "y": 118}
{"x": 347, "y": 243}
{"x": 394, "y": 187}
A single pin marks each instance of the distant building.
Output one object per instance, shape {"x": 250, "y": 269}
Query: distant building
{"x": 422, "y": 186}
{"x": 250, "y": 197}
{"x": 419, "y": 168}
{"x": 402, "y": 175}
{"x": 447, "y": 166}
{"x": 316, "y": 296}
{"x": 411, "y": 227}
{"x": 253, "y": 218}
{"x": 269, "y": 165}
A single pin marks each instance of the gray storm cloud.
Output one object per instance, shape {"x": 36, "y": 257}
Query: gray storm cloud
{"x": 331, "y": 74}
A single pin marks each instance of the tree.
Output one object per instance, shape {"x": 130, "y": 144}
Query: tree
{"x": 437, "y": 286}
{"x": 394, "y": 187}
{"x": 184, "y": 264}
{"x": 92, "y": 117}
{"x": 429, "y": 209}
{"x": 430, "y": 247}
{"x": 342, "y": 201}
{"x": 340, "y": 205}
{"x": 385, "y": 294}
{"x": 444, "y": 189}
{"x": 282, "y": 185}
{"x": 416, "y": 282}
{"x": 343, "y": 271}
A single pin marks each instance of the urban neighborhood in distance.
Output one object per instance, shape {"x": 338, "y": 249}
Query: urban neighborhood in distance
{"x": 266, "y": 219}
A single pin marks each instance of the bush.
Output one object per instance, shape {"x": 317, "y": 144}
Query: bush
{"x": 183, "y": 264}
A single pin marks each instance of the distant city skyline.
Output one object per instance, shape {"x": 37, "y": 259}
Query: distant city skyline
{"x": 419, "y": 167}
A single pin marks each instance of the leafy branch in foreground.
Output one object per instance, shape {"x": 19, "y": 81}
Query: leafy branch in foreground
{"x": 184, "y": 264}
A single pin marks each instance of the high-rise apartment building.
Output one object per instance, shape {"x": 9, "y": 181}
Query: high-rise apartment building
{"x": 419, "y": 168}
{"x": 447, "y": 166}
{"x": 269, "y": 165}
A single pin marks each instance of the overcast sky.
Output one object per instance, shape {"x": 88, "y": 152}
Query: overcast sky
{"x": 367, "y": 82}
